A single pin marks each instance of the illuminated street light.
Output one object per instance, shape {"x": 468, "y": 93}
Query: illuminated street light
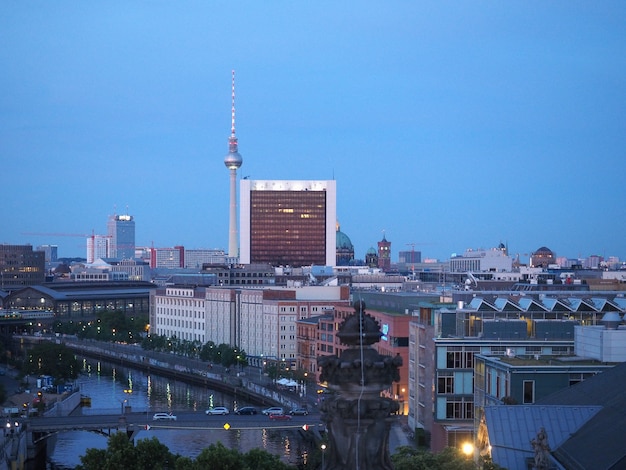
{"x": 468, "y": 449}
{"x": 323, "y": 447}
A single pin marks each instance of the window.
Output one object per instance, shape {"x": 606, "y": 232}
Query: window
{"x": 529, "y": 391}
{"x": 460, "y": 409}
{"x": 400, "y": 341}
{"x": 445, "y": 384}
{"x": 453, "y": 359}
{"x": 469, "y": 360}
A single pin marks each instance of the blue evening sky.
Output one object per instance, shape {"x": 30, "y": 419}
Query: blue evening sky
{"x": 447, "y": 124}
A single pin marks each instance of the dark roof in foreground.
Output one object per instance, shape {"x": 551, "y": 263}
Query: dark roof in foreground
{"x": 599, "y": 443}
{"x": 512, "y": 427}
{"x": 585, "y": 424}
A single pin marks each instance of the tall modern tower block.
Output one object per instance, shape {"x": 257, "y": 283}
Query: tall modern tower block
{"x": 288, "y": 223}
{"x": 121, "y": 230}
{"x": 233, "y": 161}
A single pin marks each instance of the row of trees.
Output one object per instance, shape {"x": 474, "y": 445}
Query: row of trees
{"x": 55, "y": 360}
{"x": 150, "y": 454}
{"x": 111, "y": 325}
{"x": 223, "y": 354}
{"x": 451, "y": 458}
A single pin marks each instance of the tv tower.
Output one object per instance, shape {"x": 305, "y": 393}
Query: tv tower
{"x": 233, "y": 161}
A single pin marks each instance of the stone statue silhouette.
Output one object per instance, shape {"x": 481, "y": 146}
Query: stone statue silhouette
{"x": 542, "y": 450}
{"x": 358, "y": 419}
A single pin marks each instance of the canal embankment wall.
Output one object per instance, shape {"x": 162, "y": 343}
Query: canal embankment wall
{"x": 186, "y": 370}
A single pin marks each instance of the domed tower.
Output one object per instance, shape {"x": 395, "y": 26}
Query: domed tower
{"x": 542, "y": 258}
{"x": 233, "y": 161}
{"x": 345, "y": 249}
{"x": 371, "y": 258}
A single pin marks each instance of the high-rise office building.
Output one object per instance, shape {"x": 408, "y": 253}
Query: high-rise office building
{"x": 121, "y": 230}
{"x": 288, "y": 222}
{"x": 233, "y": 161}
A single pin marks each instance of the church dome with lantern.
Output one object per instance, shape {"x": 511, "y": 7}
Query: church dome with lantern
{"x": 344, "y": 247}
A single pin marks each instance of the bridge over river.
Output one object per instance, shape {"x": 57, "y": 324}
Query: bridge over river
{"x": 42, "y": 427}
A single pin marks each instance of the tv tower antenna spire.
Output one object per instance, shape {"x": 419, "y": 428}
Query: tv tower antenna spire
{"x": 232, "y": 141}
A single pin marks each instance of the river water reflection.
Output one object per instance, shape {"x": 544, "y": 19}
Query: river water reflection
{"x": 109, "y": 388}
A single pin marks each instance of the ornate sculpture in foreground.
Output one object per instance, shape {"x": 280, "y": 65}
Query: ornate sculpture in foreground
{"x": 542, "y": 450}
{"x": 357, "y": 417}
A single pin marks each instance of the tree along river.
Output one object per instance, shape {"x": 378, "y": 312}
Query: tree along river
{"x": 108, "y": 387}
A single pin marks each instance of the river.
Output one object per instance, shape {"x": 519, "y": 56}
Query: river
{"x": 108, "y": 387}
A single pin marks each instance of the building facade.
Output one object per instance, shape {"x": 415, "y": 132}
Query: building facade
{"x": 83, "y": 300}
{"x": 497, "y": 326}
{"x": 170, "y": 258}
{"x": 288, "y": 223}
{"x": 493, "y": 260}
{"x": 196, "y": 258}
{"x": 261, "y": 321}
{"x": 21, "y": 266}
{"x": 51, "y": 252}
{"x": 98, "y": 246}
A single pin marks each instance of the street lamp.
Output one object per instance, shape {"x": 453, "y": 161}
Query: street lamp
{"x": 127, "y": 391}
{"x": 468, "y": 449}
{"x": 323, "y": 447}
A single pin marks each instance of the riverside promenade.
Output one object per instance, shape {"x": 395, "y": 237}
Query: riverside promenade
{"x": 247, "y": 381}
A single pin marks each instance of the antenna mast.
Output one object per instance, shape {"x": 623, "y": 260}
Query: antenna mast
{"x": 232, "y": 140}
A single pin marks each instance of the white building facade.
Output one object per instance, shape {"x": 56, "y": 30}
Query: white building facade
{"x": 493, "y": 260}
{"x": 260, "y": 321}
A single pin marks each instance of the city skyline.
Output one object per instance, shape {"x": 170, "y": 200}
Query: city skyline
{"x": 445, "y": 125}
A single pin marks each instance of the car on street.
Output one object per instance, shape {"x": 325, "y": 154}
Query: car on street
{"x": 218, "y": 410}
{"x": 274, "y": 410}
{"x": 163, "y": 416}
{"x": 279, "y": 417}
{"x": 247, "y": 410}
{"x": 299, "y": 412}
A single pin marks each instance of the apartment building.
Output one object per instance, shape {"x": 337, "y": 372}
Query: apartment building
{"x": 495, "y": 325}
{"x": 261, "y": 321}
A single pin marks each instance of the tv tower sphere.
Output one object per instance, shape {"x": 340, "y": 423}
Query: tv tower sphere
{"x": 233, "y": 160}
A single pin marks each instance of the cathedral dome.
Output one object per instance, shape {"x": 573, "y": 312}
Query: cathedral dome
{"x": 343, "y": 241}
{"x": 344, "y": 248}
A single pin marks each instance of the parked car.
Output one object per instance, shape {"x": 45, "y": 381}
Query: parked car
{"x": 218, "y": 410}
{"x": 247, "y": 410}
{"x": 274, "y": 410}
{"x": 299, "y": 412}
{"x": 163, "y": 416}
{"x": 279, "y": 417}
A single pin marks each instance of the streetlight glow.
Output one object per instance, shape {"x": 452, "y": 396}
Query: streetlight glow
{"x": 468, "y": 448}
